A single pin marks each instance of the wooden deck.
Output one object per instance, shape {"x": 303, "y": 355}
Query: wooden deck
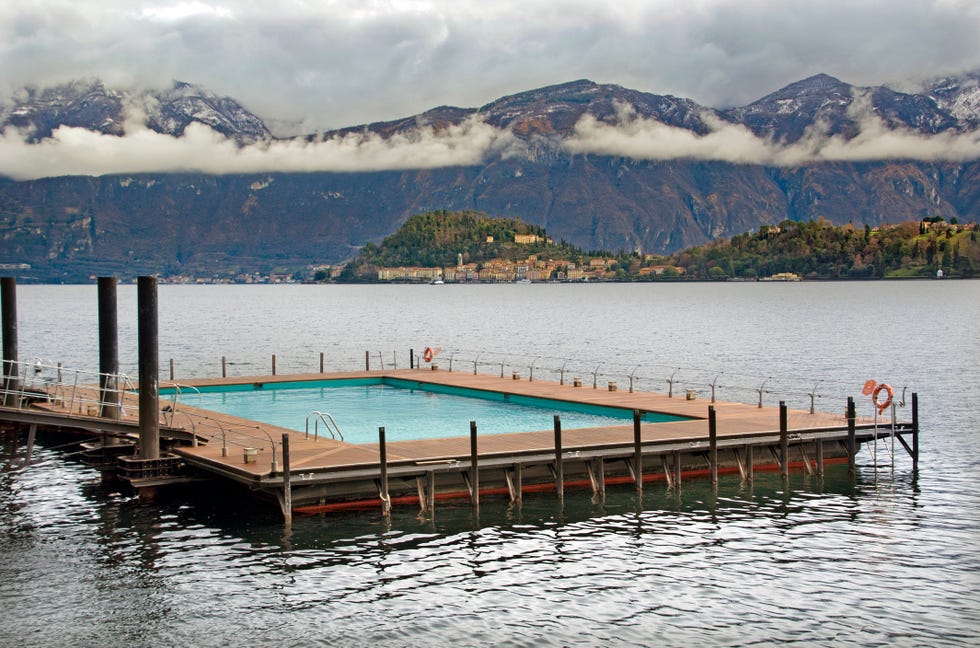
{"x": 323, "y": 470}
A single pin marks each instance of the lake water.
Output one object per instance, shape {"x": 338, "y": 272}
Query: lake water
{"x": 887, "y": 558}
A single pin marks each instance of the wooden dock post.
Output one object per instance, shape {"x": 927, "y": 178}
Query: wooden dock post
{"x": 273, "y": 364}
{"x": 515, "y": 482}
{"x": 637, "y": 452}
{"x": 915, "y": 432}
{"x": 713, "y": 444}
{"x": 559, "y": 468}
{"x": 287, "y": 487}
{"x": 224, "y": 372}
{"x": 677, "y": 469}
{"x": 783, "y": 442}
{"x": 474, "y": 469}
{"x": 171, "y": 369}
{"x": 8, "y": 297}
{"x": 819, "y": 449}
{"x": 383, "y": 461}
{"x": 321, "y": 362}
{"x": 109, "y": 394}
{"x": 367, "y": 361}
{"x": 149, "y": 367}
{"x": 851, "y": 441}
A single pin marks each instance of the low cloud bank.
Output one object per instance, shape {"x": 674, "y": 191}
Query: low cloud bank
{"x": 644, "y": 139}
{"x": 76, "y": 151}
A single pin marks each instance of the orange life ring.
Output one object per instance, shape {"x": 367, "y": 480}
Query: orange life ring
{"x": 888, "y": 401}
{"x": 427, "y": 354}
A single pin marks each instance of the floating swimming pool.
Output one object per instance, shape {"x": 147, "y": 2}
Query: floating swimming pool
{"x": 406, "y": 409}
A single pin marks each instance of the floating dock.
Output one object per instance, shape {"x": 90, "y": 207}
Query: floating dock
{"x": 152, "y": 443}
{"x": 309, "y": 472}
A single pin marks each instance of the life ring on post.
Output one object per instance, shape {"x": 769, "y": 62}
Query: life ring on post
{"x": 888, "y": 400}
{"x": 427, "y": 354}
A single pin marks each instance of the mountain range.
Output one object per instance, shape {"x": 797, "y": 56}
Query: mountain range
{"x": 598, "y": 165}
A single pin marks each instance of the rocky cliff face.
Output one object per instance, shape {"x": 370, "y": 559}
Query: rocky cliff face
{"x": 71, "y": 227}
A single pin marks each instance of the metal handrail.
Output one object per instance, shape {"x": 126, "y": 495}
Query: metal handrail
{"x": 323, "y": 416}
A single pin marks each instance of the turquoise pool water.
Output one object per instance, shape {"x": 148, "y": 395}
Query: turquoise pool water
{"x": 406, "y": 409}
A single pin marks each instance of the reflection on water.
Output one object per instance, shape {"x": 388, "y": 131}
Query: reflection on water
{"x": 885, "y": 558}
{"x": 823, "y": 560}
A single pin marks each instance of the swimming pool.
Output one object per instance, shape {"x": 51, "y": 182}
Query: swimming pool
{"x": 407, "y": 409}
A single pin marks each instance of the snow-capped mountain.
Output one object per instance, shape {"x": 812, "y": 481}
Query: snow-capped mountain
{"x": 68, "y": 228}
{"x": 91, "y": 105}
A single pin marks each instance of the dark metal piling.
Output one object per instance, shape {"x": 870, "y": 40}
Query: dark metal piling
{"x": 8, "y": 297}
{"x": 149, "y": 367}
{"x": 224, "y": 367}
{"x": 287, "y": 486}
{"x": 110, "y": 394}
{"x": 713, "y": 444}
{"x": 559, "y": 467}
{"x": 474, "y": 468}
{"x": 851, "y": 440}
{"x": 383, "y": 460}
{"x": 915, "y": 432}
{"x": 273, "y": 364}
{"x": 321, "y": 362}
{"x": 637, "y": 452}
{"x": 783, "y": 442}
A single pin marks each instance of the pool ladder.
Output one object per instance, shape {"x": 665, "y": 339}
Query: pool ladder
{"x": 328, "y": 423}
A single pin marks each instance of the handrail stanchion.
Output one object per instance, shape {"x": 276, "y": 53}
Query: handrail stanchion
{"x": 475, "y": 361}
{"x": 761, "y": 390}
{"x": 670, "y": 383}
{"x": 813, "y": 396}
{"x": 714, "y": 383}
{"x": 451, "y": 357}
{"x": 595, "y": 376}
{"x": 530, "y": 377}
{"x": 562, "y": 372}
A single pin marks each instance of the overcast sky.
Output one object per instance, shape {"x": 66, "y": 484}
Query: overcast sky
{"x": 333, "y": 63}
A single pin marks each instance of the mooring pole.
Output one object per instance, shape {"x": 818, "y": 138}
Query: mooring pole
{"x": 559, "y": 468}
{"x": 273, "y": 364}
{"x": 915, "y": 432}
{"x": 367, "y": 361}
{"x": 783, "y": 442}
{"x": 637, "y": 452}
{"x": 8, "y": 297}
{"x": 851, "y": 440}
{"x": 224, "y": 372}
{"x": 411, "y": 358}
{"x": 287, "y": 486}
{"x": 149, "y": 367}
{"x": 474, "y": 468}
{"x": 713, "y": 444}
{"x": 110, "y": 395}
{"x": 321, "y": 362}
{"x": 383, "y": 460}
